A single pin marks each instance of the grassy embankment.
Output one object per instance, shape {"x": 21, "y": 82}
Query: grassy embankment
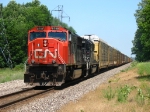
{"x": 141, "y": 87}
{"x": 127, "y": 91}
{"x": 7, "y": 74}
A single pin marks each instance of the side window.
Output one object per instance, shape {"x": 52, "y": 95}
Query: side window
{"x": 70, "y": 36}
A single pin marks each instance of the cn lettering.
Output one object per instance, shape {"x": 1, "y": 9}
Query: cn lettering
{"x": 45, "y": 53}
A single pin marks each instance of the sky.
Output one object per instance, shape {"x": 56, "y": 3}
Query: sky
{"x": 112, "y": 20}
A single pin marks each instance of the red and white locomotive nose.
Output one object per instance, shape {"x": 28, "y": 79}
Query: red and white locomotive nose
{"x": 47, "y": 55}
{"x": 45, "y": 51}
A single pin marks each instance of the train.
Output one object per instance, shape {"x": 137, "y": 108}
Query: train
{"x": 56, "y": 56}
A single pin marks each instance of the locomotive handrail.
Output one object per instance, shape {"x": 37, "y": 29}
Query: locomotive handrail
{"x": 26, "y": 62}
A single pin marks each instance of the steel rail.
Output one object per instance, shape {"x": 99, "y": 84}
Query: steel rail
{"x": 20, "y": 99}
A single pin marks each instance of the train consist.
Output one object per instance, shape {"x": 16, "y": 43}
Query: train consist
{"x": 55, "y": 56}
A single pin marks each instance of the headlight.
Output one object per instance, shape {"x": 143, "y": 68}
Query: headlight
{"x": 53, "y": 61}
{"x": 32, "y": 61}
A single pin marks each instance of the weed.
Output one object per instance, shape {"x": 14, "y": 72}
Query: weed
{"x": 148, "y": 92}
{"x": 144, "y": 85}
{"x": 122, "y": 70}
{"x": 123, "y": 93}
{"x": 140, "y": 97}
{"x": 134, "y": 63}
{"x": 109, "y": 93}
{"x": 114, "y": 80}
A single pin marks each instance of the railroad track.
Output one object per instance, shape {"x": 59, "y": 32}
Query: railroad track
{"x": 13, "y": 98}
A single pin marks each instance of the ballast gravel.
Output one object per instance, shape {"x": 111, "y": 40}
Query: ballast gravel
{"x": 12, "y": 86}
{"x": 54, "y": 101}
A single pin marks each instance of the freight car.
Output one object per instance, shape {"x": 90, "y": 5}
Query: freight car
{"x": 56, "y": 55}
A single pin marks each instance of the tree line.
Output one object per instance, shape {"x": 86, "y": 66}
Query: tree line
{"x": 18, "y": 19}
{"x": 141, "y": 42}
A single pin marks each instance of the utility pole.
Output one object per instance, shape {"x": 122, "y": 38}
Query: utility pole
{"x": 4, "y": 46}
{"x": 60, "y": 11}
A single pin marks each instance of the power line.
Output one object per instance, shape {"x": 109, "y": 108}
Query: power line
{"x": 60, "y": 11}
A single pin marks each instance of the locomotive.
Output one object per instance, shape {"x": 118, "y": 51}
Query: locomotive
{"x": 56, "y": 55}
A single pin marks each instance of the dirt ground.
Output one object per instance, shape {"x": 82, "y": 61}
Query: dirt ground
{"x": 96, "y": 102}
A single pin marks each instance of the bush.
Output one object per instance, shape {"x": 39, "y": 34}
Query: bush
{"x": 109, "y": 93}
{"x": 123, "y": 93}
{"x": 19, "y": 67}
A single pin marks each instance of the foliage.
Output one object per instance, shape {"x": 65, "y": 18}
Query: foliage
{"x": 143, "y": 68}
{"x": 122, "y": 70}
{"x": 18, "y": 19}
{"x": 109, "y": 93}
{"x": 141, "y": 42}
{"x": 19, "y": 67}
{"x": 81, "y": 111}
{"x": 140, "y": 97}
{"x": 143, "y": 94}
{"x": 123, "y": 93}
{"x": 134, "y": 63}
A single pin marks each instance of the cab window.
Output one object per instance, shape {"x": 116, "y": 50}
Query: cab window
{"x": 34, "y": 35}
{"x": 60, "y": 35}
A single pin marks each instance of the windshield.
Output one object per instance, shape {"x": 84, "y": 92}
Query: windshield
{"x": 61, "y": 35}
{"x": 34, "y": 35}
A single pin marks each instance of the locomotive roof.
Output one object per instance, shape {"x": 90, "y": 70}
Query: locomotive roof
{"x": 49, "y": 28}
{"x": 89, "y": 41}
{"x": 93, "y": 38}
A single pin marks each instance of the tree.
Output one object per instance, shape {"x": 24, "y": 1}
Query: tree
{"x": 138, "y": 48}
{"x": 141, "y": 42}
{"x": 18, "y": 20}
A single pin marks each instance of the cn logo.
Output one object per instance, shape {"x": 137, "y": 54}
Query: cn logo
{"x": 47, "y": 51}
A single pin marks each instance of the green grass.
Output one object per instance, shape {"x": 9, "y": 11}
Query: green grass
{"x": 140, "y": 99}
{"x": 133, "y": 65}
{"x": 123, "y": 93}
{"x": 143, "y": 68}
{"x": 143, "y": 92}
{"x": 109, "y": 93}
{"x": 143, "y": 71}
{"x": 8, "y": 74}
